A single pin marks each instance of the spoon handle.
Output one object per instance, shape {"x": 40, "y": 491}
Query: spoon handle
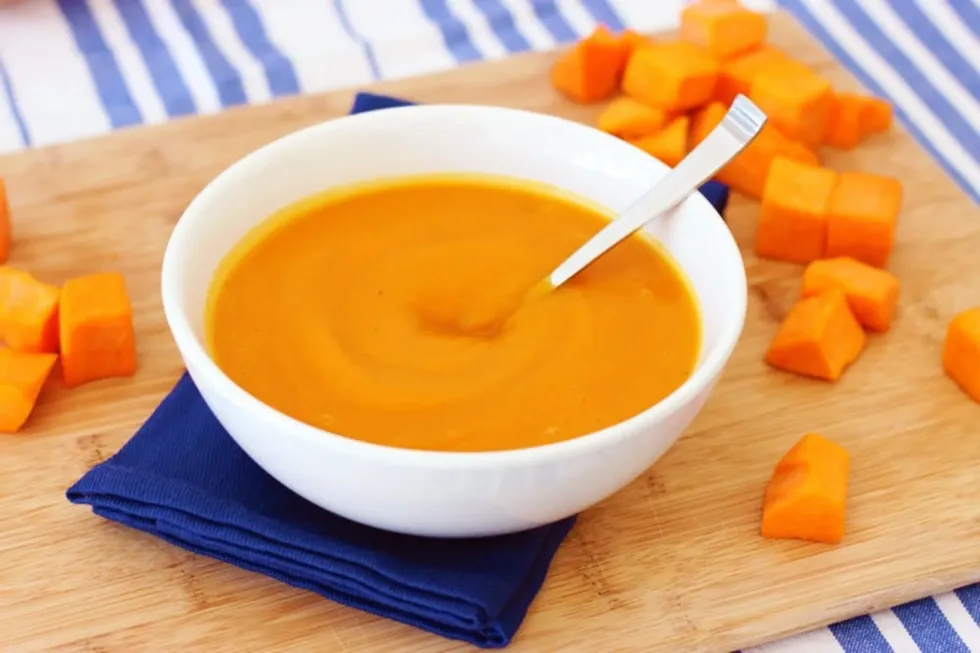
{"x": 741, "y": 125}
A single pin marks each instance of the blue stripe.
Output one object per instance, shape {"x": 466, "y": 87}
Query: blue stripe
{"x": 603, "y": 12}
{"x": 278, "y": 69}
{"x": 502, "y": 24}
{"x": 969, "y": 13}
{"x": 8, "y": 89}
{"x": 935, "y": 40}
{"x": 860, "y": 635}
{"x": 923, "y": 86}
{"x": 928, "y": 626}
{"x": 109, "y": 83}
{"x": 226, "y": 79}
{"x": 454, "y": 32}
{"x": 551, "y": 17}
{"x": 970, "y": 597}
{"x": 169, "y": 82}
{"x": 816, "y": 28}
{"x": 357, "y": 38}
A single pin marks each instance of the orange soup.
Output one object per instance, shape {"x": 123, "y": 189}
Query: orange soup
{"x": 356, "y": 311}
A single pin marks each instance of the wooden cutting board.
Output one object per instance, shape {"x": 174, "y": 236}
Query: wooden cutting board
{"x": 671, "y": 563}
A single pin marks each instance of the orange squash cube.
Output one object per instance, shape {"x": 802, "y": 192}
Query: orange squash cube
{"x": 724, "y": 29}
{"x": 795, "y": 98}
{"x": 845, "y": 128}
{"x": 871, "y": 293}
{"x": 674, "y": 75}
{"x": 704, "y": 120}
{"x": 877, "y": 116}
{"x": 670, "y": 144}
{"x": 97, "y": 335}
{"x": 793, "y": 219}
{"x": 819, "y": 338}
{"x": 591, "y": 70}
{"x": 22, "y": 375}
{"x": 28, "y": 312}
{"x": 618, "y": 46}
{"x": 961, "y": 351}
{"x": 627, "y": 118}
{"x": 863, "y": 215}
{"x": 853, "y": 117}
{"x": 806, "y": 498}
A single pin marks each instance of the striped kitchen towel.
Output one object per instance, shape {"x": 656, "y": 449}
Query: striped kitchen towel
{"x": 131, "y": 62}
{"x": 77, "y": 68}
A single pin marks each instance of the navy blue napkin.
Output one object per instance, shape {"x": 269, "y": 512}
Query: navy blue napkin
{"x": 183, "y": 479}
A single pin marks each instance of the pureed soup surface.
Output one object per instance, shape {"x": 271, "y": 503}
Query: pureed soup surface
{"x": 364, "y": 312}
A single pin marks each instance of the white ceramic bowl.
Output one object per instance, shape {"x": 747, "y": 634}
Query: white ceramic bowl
{"x": 435, "y": 493}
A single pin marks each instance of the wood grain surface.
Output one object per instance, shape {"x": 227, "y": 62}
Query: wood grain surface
{"x": 671, "y": 563}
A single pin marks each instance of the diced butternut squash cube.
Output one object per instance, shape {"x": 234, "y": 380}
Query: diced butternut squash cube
{"x": 28, "y": 312}
{"x": 6, "y": 225}
{"x": 670, "y": 144}
{"x": 845, "y": 128}
{"x": 704, "y": 120}
{"x": 961, "y": 351}
{"x": 806, "y": 498}
{"x": 871, "y": 293}
{"x": 617, "y": 46}
{"x": 97, "y": 335}
{"x": 796, "y": 99}
{"x": 22, "y": 375}
{"x": 747, "y": 172}
{"x": 675, "y": 76}
{"x": 629, "y": 119}
{"x": 853, "y": 117}
{"x": 590, "y": 71}
{"x": 725, "y": 29}
{"x": 793, "y": 219}
{"x": 877, "y": 116}
{"x": 863, "y": 216}
{"x": 819, "y": 338}
{"x": 735, "y": 75}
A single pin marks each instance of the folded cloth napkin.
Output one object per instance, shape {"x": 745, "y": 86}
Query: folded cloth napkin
{"x": 183, "y": 479}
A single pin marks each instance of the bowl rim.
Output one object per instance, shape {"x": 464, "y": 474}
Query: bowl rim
{"x": 190, "y": 346}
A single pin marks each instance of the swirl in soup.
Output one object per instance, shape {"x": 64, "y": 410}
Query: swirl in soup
{"x": 370, "y": 312}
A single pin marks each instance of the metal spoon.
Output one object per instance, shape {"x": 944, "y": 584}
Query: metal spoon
{"x": 741, "y": 125}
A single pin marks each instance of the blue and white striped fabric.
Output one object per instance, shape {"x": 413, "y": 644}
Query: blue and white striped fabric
{"x": 76, "y": 68}
{"x": 925, "y": 56}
